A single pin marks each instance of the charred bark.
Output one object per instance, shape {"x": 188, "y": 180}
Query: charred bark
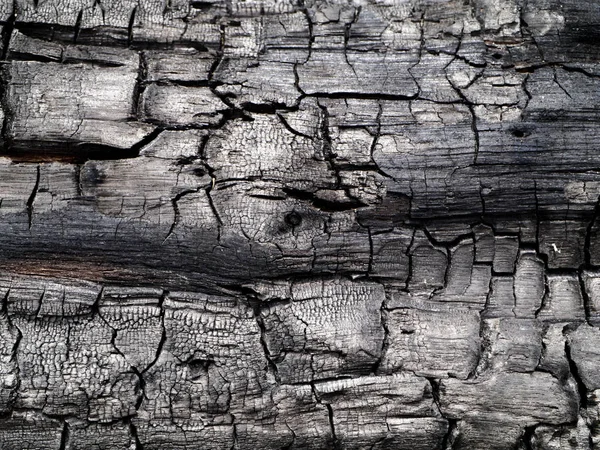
{"x": 299, "y": 224}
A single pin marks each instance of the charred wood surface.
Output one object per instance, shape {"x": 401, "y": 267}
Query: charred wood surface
{"x": 299, "y": 224}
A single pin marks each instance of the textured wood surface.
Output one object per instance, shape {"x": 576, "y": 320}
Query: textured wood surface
{"x": 299, "y": 224}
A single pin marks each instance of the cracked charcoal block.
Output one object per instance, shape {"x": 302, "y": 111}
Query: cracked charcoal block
{"x": 479, "y": 403}
{"x": 432, "y": 343}
{"x": 54, "y": 351}
{"x": 564, "y": 300}
{"x": 390, "y": 258}
{"x": 338, "y": 322}
{"x": 428, "y": 265}
{"x": 583, "y": 349}
{"x": 9, "y": 370}
{"x": 529, "y": 284}
{"x": 501, "y": 301}
{"x": 512, "y": 345}
{"x": 39, "y": 296}
{"x": 180, "y": 105}
{"x": 187, "y": 65}
{"x": 465, "y": 281}
{"x": 400, "y": 412}
{"x": 553, "y": 357}
{"x": 563, "y": 243}
{"x": 266, "y": 148}
{"x": 159, "y": 435}
{"x": 299, "y": 224}
{"x": 564, "y": 437}
{"x": 505, "y": 254}
{"x": 99, "y": 436}
{"x": 591, "y": 285}
{"x": 55, "y": 104}
{"x": 318, "y": 76}
{"x": 30, "y": 430}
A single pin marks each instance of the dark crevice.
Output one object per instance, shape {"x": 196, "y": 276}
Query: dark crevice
{"x": 140, "y": 385}
{"x": 385, "y": 341}
{"x": 176, "y": 213}
{"x": 130, "y": 27}
{"x": 208, "y": 190}
{"x": 448, "y": 440}
{"x": 588, "y": 235}
{"x": 183, "y": 83}
{"x": 140, "y": 87}
{"x": 409, "y": 254}
{"x": 32, "y": 196}
{"x": 370, "y": 266}
{"x": 587, "y": 301}
{"x": 337, "y": 445}
{"x": 134, "y": 434}
{"x": 196, "y": 4}
{"x": 323, "y": 204}
{"x": 581, "y": 388}
{"x": 102, "y": 35}
{"x": 64, "y": 437}
{"x": 579, "y": 70}
{"x": 233, "y": 112}
{"x": 327, "y": 147}
{"x": 347, "y": 32}
{"x": 256, "y": 306}
{"x": 234, "y": 445}
{"x": 311, "y": 35}
{"x": 95, "y": 308}
{"x": 362, "y": 96}
{"x": 266, "y": 108}
{"x": 6, "y": 34}
{"x": 77, "y": 26}
{"x": 19, "y": 56}
{"x": 74, "y": 153}
{"x": 527, "y": 437}
{"x": 288, "y": 127}
{"x": 163, "y": 335}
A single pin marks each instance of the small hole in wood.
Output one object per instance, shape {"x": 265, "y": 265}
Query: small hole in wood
{"x": 293, "y": 219}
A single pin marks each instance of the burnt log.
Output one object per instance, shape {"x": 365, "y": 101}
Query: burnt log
{"x": 299, "y": 224}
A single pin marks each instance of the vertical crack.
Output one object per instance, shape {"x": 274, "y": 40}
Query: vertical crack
{"x": 255, "y": 305}
{"x": 134, "y": 434}
{"x": 32, "y": 196}
{"x": 328, "y": 153}
{"x": 588, "y": 235}
{"x": 527, "y": 437}
{"x": 587, "y": 302}
{"x": 449, "y": 437}
{"x": 130, "y": 26}
{"x": 64, "y": 437}
{"x": 213, "y": 179}
{"x": 336, "y": 443}
{"x": 140, "y": 87}
{"x": 451, "y": 433}
{"x": 581, "y": 389}
{"x": 471, "y": 108}
{"x": 311, "y": 35}
{"x": 347, "y": 30}
{"x": 163, "y": 336}
{"x": 409, "y": 255}
{"x": 385, "y": 341}
{"x": 176, "y": 212}
{"x": 77, "y": 26}
{"x": 7, "y": 32}
{"x": 234, "y": 445}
